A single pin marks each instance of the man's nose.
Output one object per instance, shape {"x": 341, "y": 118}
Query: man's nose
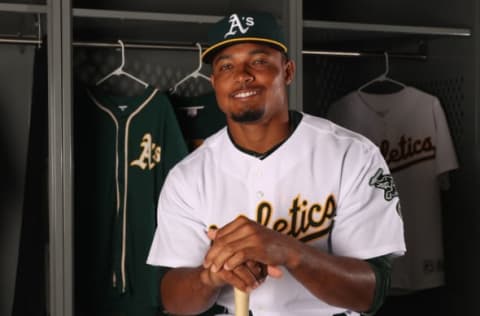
{"x": 243, "y": 75}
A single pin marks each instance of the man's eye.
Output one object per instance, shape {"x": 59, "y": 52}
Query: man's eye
{"x": 259, "y": 62}
{"x": 225, "y": 67}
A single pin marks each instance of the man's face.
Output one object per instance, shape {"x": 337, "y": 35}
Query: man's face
{"x": 250, "y": 81}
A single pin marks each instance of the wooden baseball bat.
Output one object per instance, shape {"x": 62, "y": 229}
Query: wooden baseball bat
{"x": 241, "y": 302}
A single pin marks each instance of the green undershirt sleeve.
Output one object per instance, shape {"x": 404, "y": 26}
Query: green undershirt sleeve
{"x": 382, "y": 266}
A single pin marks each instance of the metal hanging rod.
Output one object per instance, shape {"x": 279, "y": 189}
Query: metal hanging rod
{"x": 28, "y": 39}
{"x": 21, "y": 41}
{"x": 159, "y": 46}
{"x": 162, "y": 46}
{"x": 192, "y": 47}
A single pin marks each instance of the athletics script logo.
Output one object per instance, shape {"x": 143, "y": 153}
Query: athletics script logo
{"x": 239, "y": 24}
{"x": 307, "y": 221}
{"x": 407, "y": 152}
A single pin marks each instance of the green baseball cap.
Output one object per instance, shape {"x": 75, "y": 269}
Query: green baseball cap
{"x": 244, "y": 27}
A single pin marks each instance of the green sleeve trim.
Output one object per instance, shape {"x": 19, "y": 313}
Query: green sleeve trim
{"x": 382, "y": 266}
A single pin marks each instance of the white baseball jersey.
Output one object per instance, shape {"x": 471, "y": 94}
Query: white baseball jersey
{"x": 325, "y": 186}
{"x": 411, "y": 130}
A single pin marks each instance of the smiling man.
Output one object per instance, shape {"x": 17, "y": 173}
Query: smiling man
{"x": 300, "y": 220}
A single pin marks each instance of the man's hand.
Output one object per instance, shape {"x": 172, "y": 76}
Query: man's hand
{"x": 247, "y": 276}
{"x": 230, "y": 259}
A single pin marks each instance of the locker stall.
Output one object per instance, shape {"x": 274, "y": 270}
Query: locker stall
{"x": 337, "y": 45}
{"x": 23, "y": 163}
{"x": 434, "y": 51}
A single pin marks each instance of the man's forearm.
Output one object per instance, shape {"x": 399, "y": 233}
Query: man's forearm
{"x": 338, "y": 281}
{"x": 184, "y": 292}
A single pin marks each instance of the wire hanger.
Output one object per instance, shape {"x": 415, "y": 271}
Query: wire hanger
{"x": 195, "y": 74}
{"x": 120, "y": 71}
{"x": 383, "y": 77}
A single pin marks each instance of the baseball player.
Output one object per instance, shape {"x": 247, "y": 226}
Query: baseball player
{"x": 124, "y": 147}
{"x": 298, "y": 212}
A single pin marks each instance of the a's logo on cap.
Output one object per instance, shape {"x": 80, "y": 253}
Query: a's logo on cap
{"x": 239, "y": 24}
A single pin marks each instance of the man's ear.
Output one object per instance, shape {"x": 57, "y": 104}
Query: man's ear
{"x": 289, "y": 71}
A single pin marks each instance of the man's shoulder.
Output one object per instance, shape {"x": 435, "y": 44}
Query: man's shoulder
{"x": 328, "y": 129}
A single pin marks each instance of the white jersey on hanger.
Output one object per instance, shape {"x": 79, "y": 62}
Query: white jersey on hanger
{"x": 411, "y": 130}
{"x": 325, "y": 185}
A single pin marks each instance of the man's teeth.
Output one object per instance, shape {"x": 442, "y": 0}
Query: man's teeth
{"x": 245, "y": 94}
